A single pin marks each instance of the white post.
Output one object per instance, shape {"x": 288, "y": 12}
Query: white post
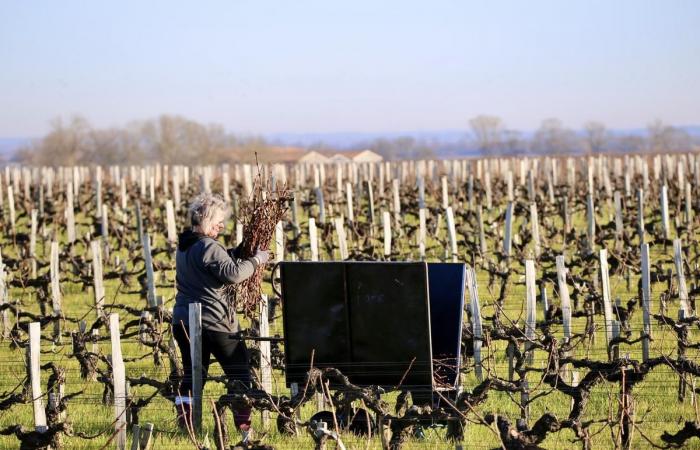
{"x": 664, "y": 211}
{"x": 607, "y": 305}
{"x": 279, "y": 242}
{"x": 170, "y": 219}
{"x": 646, "y": 301}
{"x": 150, "y": 278}
{"x": 195, "y": 331}
{"x": 35, "y": 376}
{"x": 313, "y": 239}
{"x": 564, "y": 295}
{"x": 507, "y": 239}
{"x": 531, "y": 305}
{"x": 348, "y": 196}
{"x": 97, "y": 276}
{"x": 386, "y": 224}
{"x": 421, "y": 232}
{"x": 119, "y": 382}
{"x": 265, "y": 356}
{"x": 682, "y": 288}
{"x": 534, "y": 219}
{"x": 477, "y": 329}
{"x": 452, "y": 232}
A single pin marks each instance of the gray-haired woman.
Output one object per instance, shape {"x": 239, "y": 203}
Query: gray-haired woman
{"x": 203, "y": 268}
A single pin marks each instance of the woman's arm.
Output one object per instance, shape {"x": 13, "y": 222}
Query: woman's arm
{"x": 225, "y": 267}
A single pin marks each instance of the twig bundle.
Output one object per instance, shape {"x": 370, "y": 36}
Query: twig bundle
{"x": 259, "y": 215}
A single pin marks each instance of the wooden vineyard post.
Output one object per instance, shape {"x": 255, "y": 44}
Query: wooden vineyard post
{"x": 139, "y": 222}
{"x": 279, "y": 241}
{"x": 590, "y": 221}
{"x": 321, "y": 205}
{"x": 664, "y": 211}
{"x": 6, "y": 327}
{"x": 681, "y": 354}
{"x": 342, "y": 238}
{"x": 97, "y": 277}
{"x": 348, "y": 199}
{"x": 32, "y": 240}
{"x": 239, "y": 233}
{"x": 682, "y": 288}
{"x": 170, "y": 220}
{"x": 688, "y": 206}
{"x": 619, "y": 230}
{"x": 313, "y": 239}
{"x": 421, "y": 232}
{"x": 477, "y": 327}
{"x": 195, "y": 334}
{"x": 452, "y": 232}
{"x": 370, "y": 203}
{"x": 640, "y": 215}
{"x": 507, "y": 239}
{"x": 482, "y": 235}
{"x": 150, "y": 277}
{"x": 119, "y": 383}
{"x": 104, "y": 227}
{"x": 70, "y": 215}
{"x": 386, "y": 224}
{"x": 396, "y": 202}
{"x": 534, "y": 219}
{"x": 445, "y": 192}
{"x": 564, "y": 296}
{"x": 98, "y": 192}
{"x": 11, "y": 207}
{"x": 487, "y": 189}
{"x": 56, "y": 299}
{"x": 35, "y": 376}
{"x": 421, "y": 192}
{"x": 470, "y": 193}
{"x": 607, "y": 305}
{"x": 646, "y": 300}
{"x": 265, "y": 356}
{"x": 530, "y": 307}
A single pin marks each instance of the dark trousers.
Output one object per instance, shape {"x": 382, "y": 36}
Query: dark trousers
{"x": 229, "y": 352}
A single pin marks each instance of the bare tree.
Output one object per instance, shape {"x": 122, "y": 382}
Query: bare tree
{"x": 596, "y": 137}
{"x": 488, "y": 131}
{"x": 513, "y": 141}
{"x": 665, "y": 138}
{"x": 552, "y": 138}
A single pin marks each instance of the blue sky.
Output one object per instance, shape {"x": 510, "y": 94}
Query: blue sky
{"x": 323, "y": 66}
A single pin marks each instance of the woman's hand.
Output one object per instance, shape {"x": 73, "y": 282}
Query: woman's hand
{"x": 261, "y": 256}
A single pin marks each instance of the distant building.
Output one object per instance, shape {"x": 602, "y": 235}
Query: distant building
{"x": 300, "y": 155}
{"x": 313, "y": 157}
{"x": 362, "y": 156}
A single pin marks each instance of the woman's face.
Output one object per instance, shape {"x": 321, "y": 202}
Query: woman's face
{"x": 216, "y": 227}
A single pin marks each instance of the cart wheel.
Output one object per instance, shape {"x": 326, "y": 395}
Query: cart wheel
{"x": 362, "y": 423}
{"x": 286, "y": 426}
{"x": 276, "y": 279}
{"x": 327, "y": 416}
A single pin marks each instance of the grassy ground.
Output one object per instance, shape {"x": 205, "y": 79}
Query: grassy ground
{"x": 657, "y": 408}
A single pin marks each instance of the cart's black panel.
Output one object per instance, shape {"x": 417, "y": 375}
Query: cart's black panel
{"x": 447, "y": 281}
{"x": 369, "y": 319}
{"x": 389, "y": 323}
{"x": 315, "y": 317}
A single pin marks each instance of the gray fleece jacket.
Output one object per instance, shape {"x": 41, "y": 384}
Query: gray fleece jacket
{"x": 203, "y": 268}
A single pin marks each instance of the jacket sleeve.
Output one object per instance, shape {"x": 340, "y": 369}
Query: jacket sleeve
{"x": 225, "y": 268}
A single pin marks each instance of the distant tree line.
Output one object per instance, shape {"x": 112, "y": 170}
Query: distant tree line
{"x": 167, "y": 139}
{"x": 492, "y": 137}
{"x": 174, "y": 139}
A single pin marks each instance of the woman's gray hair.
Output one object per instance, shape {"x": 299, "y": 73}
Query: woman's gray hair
{"x": 204, "y": 209}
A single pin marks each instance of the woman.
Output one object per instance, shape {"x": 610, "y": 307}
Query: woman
{"x": 203, "y": 268}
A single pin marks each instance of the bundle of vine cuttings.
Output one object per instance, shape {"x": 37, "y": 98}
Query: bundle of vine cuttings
{"x": 259, "y": 216}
